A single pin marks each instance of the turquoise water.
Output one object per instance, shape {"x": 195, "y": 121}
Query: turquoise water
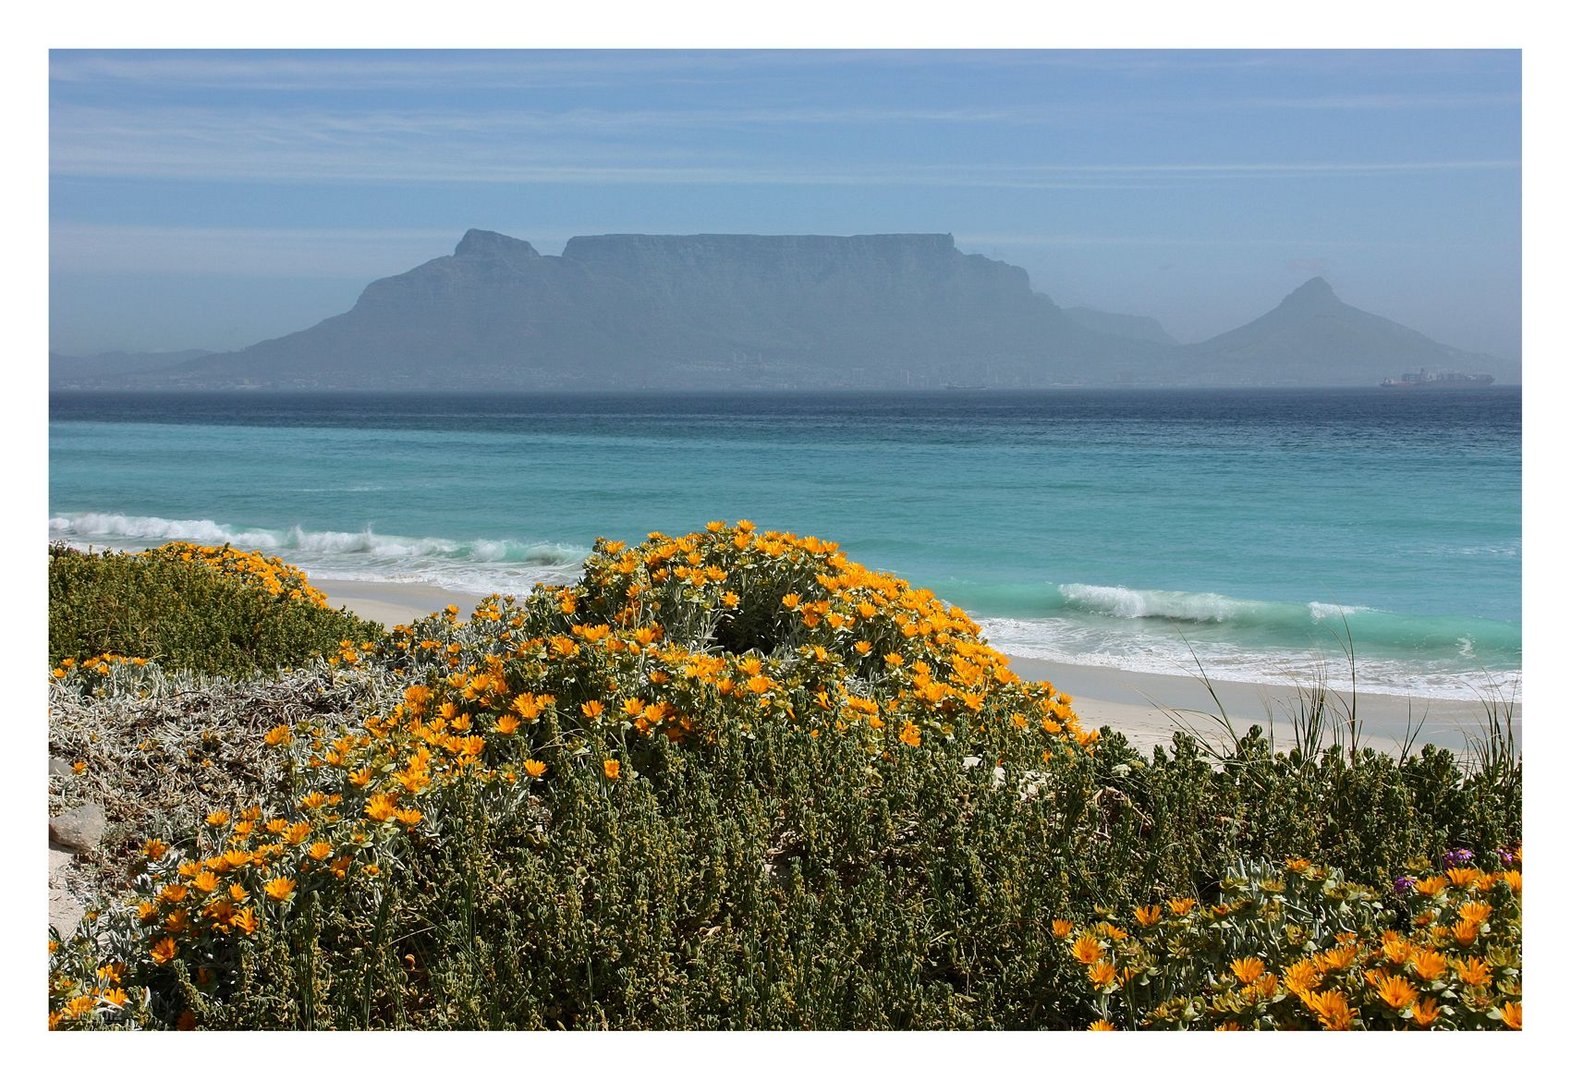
{"x": 1149, "y": 530}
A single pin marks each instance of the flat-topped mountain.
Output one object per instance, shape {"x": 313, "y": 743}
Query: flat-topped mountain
{"x": 758, "y": 312}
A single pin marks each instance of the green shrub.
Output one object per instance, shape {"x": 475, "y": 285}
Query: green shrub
{"x": 210, "y": 610}
{"x": 728, "y": 780}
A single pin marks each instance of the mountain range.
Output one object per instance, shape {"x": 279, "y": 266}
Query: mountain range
{"x": 764, "y": 312}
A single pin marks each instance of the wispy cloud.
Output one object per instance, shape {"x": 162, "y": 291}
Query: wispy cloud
{"x": 1034, "y": 241}
{"x": 347, "y": 70}
{"x": 434, "y": 146}
{"x": 341, "y": 71}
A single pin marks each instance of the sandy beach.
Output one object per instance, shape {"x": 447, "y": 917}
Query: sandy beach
{"x": 1147, "y": 709}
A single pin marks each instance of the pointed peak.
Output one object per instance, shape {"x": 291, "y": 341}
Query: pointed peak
{"x": 1315, "y": 290}
{"x": 483, "y": 242}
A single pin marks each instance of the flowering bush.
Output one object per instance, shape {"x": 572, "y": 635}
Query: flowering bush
{"x": 729, "y": 779}
{"x": 1296, "y": 947}
{"x": 212, "y": 610}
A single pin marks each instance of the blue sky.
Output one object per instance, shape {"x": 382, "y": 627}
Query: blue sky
{"x": 213, "y": 199}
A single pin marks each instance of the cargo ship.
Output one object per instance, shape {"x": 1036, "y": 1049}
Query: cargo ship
{"x": 1424, "y": 379}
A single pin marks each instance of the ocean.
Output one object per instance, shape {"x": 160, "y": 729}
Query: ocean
{"x": 1262, "y": 535}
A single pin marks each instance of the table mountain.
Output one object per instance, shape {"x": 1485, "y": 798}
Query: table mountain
{"x": 760, "y": 312}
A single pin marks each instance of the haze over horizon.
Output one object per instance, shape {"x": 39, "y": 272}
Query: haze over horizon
{"x": 216, "y": 199}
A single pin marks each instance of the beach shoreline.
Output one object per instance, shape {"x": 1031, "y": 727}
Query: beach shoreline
{"x": 1146, "y": 708}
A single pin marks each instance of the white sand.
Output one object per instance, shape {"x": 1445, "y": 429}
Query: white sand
{"x": 393, "y": 602}
{"x": 1147, "y": 709}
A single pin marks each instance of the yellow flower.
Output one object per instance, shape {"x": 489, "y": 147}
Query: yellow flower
{"x": 154, "y": 849}
{"x": 1248, "y": 969}
{"x": 506, "y": 724}
{"x": 910, "y": 735}
{"x": 1465, "y": 933}
{"x": 1396, "y": 991}
{"x": 1338, "y": 958}
{"x": 206, "y": 881}
{"x": 1181, "y": 906}
{"x": 1086, "y": 949}
{"x": 789, "y": 601}
{"x": 238, "y": 894}
{"x": 1426, "y": 1012}
{"x": 163, "y": 950}
{"x": 297, "y": 832}
{"x": 1395, "y": 947}
{"x": 1472, "y": 971}
{"x": 1302, "y": 976}
{"x": 79, "y": 767}
{"x": 379, "y": 807}
{"x": 218, "y": 818}
{"x": 1062, "y": 928}
{"x": 535, "y": 769}
{"x": 1331, "y": 1008}
{"x": 613, "y": 768}
{"x": 1475, "y": 911}
{"x": 1511, "y": 1015}
{"x": 592, "y": 709}
{"x": 320, "y": 850}
{"x": 280, "y": 888}
{"x": 1149, "y": 915}
{"x": 1102, "y": 974}
{"x": 244, "y": 920}
{"x": 1428, "y": 964}
{"x": 279, "y": 736}
{"x": 1100, "y": 1025}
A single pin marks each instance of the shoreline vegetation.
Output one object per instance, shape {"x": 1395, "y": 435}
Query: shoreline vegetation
{"x": 1145, "y": 708}
{"x": 732, "y": 780}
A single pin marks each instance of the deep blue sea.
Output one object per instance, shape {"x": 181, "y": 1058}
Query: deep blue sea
{"x": 1248, "y": 531}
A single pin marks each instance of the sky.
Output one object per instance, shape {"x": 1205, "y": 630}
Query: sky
{"x": 212, "y": 199}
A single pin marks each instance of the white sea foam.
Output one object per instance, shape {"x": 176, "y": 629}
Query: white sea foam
{"x": 1125, "y": 603}
{"x": 1067, "y": 641}
{"x": 482, "y": 565}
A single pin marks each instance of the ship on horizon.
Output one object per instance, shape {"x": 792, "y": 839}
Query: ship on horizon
{"x": 1424, "y": 379}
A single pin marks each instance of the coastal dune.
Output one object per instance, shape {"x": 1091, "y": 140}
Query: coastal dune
{"x": 1145, "y": 708}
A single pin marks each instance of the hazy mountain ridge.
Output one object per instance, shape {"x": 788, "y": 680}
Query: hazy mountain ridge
{"x": 633, "y": 311}
{"x": 1138, "y": 327}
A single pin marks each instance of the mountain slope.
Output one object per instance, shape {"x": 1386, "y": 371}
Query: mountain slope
{"x": 769, "y": 312}
{"x": 686, "y": 312}
{"x": 1312, "y": 338}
